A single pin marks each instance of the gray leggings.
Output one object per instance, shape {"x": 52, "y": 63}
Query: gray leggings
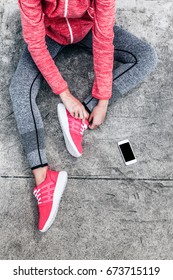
{"x": 138, "y": 59}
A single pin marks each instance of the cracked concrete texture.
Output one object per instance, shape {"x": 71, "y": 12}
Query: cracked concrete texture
{"x": 109, "y": 210}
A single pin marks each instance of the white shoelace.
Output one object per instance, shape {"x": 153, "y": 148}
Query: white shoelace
{"x": 83, "y": 128}
{"x": 37, "y": 195}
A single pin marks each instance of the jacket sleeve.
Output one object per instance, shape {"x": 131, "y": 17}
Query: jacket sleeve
{"x": 33, "y": 29}
{"x": 103, "y": 48}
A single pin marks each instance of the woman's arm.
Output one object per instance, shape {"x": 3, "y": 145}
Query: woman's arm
{"x": 103, "y": 55}
{"x": 33, "y": 28}
{"x": 103, "y": 48}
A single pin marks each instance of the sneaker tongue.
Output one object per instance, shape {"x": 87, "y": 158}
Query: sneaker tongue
{"x": 85, "y": 124}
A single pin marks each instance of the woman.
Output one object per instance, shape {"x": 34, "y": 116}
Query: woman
{"x": 48, "y": 26}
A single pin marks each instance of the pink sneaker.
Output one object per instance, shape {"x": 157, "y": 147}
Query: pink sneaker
{"x": 72, "y": 130}
{"x": 48, "y": 195}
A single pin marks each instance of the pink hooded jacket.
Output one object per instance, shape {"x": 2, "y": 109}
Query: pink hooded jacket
{"x": 67, "y": 22}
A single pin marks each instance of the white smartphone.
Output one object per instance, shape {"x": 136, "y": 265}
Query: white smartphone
{"x": 127, "y": 152}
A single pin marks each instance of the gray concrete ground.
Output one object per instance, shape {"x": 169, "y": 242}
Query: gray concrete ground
{"x": 109, "y": 210}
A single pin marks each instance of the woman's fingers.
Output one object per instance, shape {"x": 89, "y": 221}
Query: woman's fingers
{"x": 86, "y": 114}
{"x": 94, "y": 123}
{"x": 77, "y": 110}
{"x": 76, "y": 114}
{"x": 80, "y": 113}
{"x": 83, "y": 114}
{"x": 93, "y": 126}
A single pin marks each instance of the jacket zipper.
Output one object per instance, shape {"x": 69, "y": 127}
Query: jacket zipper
{"x": 68, "y": 24}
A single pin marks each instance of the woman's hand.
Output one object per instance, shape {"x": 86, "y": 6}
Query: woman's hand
{"x": 74, "y": 106}
{"x": 98, "y": 114}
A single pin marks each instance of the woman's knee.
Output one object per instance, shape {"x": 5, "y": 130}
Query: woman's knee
{"x": 147, "y": 57}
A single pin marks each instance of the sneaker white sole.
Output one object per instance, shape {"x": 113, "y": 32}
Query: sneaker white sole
{"x": 62, "y": 115}
{"x": 59, "y": 189}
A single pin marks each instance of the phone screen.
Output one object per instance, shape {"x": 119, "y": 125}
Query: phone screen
{"x": 127, "y": 152}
